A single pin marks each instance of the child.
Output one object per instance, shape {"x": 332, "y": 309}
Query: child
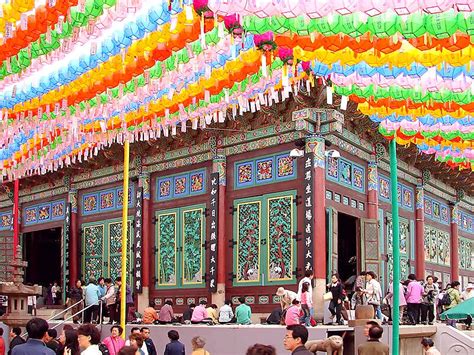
{"x": 293, "y": 313}
{"x": 357, "y": 298}
{"x": 174, "y": 347}
{"x": 306, "y": 304}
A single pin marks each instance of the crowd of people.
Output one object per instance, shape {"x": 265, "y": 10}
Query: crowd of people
{"x": 86, "y": 340}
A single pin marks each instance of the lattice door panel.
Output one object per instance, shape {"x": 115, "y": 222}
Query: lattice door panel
{"x": 94, "y": 250}
{"x": 370, "y": 246}
{"x": 280, "y": 242}
{"x": 192, "y": 241}
{"x": 114, "y": 266}
{"x": 247, "y": 234}
{"x": 166, "y": 241}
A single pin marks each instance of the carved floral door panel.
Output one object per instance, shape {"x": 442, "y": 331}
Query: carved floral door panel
{"x": 332, "y": 239}
{"x": 179, "y": 241}
{"x": 405, "y": 238}
{"x": 102, "y": 250}
{"x": 265, "y": 250}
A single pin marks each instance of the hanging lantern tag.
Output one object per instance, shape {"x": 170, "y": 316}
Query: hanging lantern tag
{"x": 24, "y": 22}
{"x": 189, "y": 13}
{"x": 329, "y": 95}
{"x": 344, "y": 102}
{"x": 264, "y": 65}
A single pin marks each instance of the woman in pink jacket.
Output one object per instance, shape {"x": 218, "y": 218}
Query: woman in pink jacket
{"x": 114, "y": 342}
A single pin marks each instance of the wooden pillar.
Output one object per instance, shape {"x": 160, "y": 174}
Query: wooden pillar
{"x": 454, "y": 243}
{"x": 219, "y": 165}
{"x": 372, "y": 195}
{"x": 315, "y": 144}
{"x": 143, "y": 298}
{"x": 420, "y": 233}
{"x": 74, "y": 240}
{"x": 16, "y": 216}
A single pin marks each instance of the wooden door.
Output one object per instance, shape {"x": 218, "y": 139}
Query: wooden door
{"x": 332, "y": 242}
{"x": 370, "y": 254}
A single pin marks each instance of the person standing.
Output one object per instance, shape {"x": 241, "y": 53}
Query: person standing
{"x": 174, "y": 347}
{"x": 150, "y": 346}
{"x": 226, "y": 314}
{"x": 36, "y": 329}
{"x": 16, "y": 339}
{"x": 2, "y": 343}
{"x": 428, "y": 347}
{"x": 109, "y": 299}
{"x": 114, "y": 342}
{"x": 128, "y": 299}
{"x": 197, "y": 344}
{"x": 88, "y": 337}
{"x": 430, "y": 294}
{"x": 92, "y": 296}
{"x": 373, "y": 292}
{"x": 243, "y": 312}
{"x": 306, "y": 303}
{"x": 50, "y": 340}
{"x": 414, "y": 296}
{"x": 468, "y": 292}
{"x": 308, "y": 278}
{"x": 373, "y": 346}
{"x": 69, "y": 344}
{"x": 75, "y": 295}
{"x": 335, "y": 305}
{"x": 402, "y": 302}
{"x": 455, "y": 298}
{"x": 295, "y": 338}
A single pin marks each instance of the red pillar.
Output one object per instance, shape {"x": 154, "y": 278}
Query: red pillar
{"x": 73, "y": 241}
{"x": 420, "y": 233}
{"x": 146, "y": 229}
{"x": 316, "y": 145}
{"x": 454, "y": 244}
{"x": 16, "y": 210}
{"x": 372, "y": 195}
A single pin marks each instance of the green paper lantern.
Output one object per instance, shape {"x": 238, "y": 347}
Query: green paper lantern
{"x": 302, "y": 26}
{"x": 383, "y": 25}
{"x": 327, "y": 28}
{"x": 352, "y": 25}
{"x": 412, "y": 26}
{"x": 442, "y": 25}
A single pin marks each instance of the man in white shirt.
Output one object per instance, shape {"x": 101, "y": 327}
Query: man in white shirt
{"x": 225, "y": 313}
{"x": 468, "y": 292}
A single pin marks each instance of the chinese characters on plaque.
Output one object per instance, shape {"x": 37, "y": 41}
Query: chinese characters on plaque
{"x": 67, "y": 233}
{"x": 308, "y": 210}
{"x": 213, "y": 231}
{"x": 137, "y": 248}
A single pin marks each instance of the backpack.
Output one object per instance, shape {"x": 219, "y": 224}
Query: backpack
{"x": 446, "y": 300}
{"x": 103, "y": 349}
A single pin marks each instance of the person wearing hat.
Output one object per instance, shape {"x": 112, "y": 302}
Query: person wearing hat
{"x": 286, "y": 297}
{"x": 468, "y": 292}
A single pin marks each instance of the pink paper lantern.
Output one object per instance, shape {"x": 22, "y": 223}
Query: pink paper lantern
{"x": 437, "y": 6}
{"x": 263, "y": 10}
{"x": 286, "y": 55}
{"x": 345, "y": 7}
{"x": 405, "y": 7}
{"x": 465, "y": 5}
{"x": 265, "y": 41}
{"x": 316, "y": 9}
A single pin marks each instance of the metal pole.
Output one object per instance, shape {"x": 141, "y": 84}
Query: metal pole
{"x": 16, "y": 210}
{"x": 123, "y": 287}
{"x": 396, "y": 248}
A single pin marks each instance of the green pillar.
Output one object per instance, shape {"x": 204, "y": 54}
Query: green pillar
{"x": 396, "y": 248}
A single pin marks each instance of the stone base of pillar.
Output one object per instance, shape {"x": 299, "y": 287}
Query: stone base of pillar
{"x": 318, "y": 302}
{"x": 143, "y": 299}
{"x": 218, "y": 298}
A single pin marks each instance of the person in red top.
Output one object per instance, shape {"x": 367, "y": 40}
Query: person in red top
{"x": 2, "y": 343}
{"x": 114, "y": 342}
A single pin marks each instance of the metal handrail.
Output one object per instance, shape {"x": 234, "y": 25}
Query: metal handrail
{"x": 75, "y": 314}
{"x": 65, "y": 310}
{"x": 82, "y": 311}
